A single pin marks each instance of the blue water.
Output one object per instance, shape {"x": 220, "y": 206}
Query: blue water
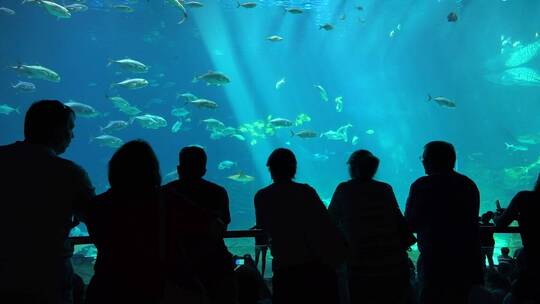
{"x": 384, "y": 82}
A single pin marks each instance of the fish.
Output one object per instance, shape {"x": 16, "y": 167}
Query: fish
{"x": 149, "y": 121}
{"x": 108, "y": 141}
{"x": 76, "y": 8}
{"x": 23, "y": 86}
{"x": 452, "y": 17}
{"x": 280, "y": 122}
{"x": 53, "y": 8}
{"x": 122, "y": 8}
{"x": 359, "y": 7}
{"x": 246, "y": 4}
{"x": 523, "y": 55}
{"x": 133, "y": 83}
{"x": 241, "y": 177}
{"x": 280, "y": 83}
{"x": 118, "y": 101}
{"x": 179, "y": 112}
{"x": 333, "y": 135}
{"x": 326, "y": 27}
{"x": 274, "y": 38}
{"x": 37, "y": 72}
{"x": 370, "y": 131}
{"x": 7, "y": 11}
{"x": 339, "y": 103}
{"x": 322, "y": 92}
{"x": 294, "y": 10}
{"x": 240, "y": 137}
{"x": 130, "y": 110}
{"x": 177, "y": 126}
{"x": 6, "y": 109}
{"x": 213, "y": 124}
{"x": 320, "y": 157}
{"x": 253, "y": 142}
{"x": 81, "y": 109}
{"x": 114, "y": 126}
{"x": 529, "y": 139}
{"x": 130, "y": 65}
{"x": 187, "y": 96}
{"x": 203, "y": 103}
{"x": 194, "y": 4}
{"x": 443, "y": 101}
{"x": 354, "y": 140}
{"x": 522, "y": 76}
{"x": 179, "y": 5}
{"x": 226, "y": 164}
{"x": 515, "y": 147}
{"x": 305, "y": 134}
{"x": 213, "y": 78}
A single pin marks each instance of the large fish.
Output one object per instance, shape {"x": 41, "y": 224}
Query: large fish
{"x": 134, "y": 83}
{"x": 213, "y": 78}
{"x": 523, "y": 55}
{"x": 521, "y": 76}
{"x": 178, "y": 4}
{"x": 53, "y": 8}
{"x": 130, "y": 65}
{"x": 81, "y": 109}
{"x": 37, "y": 72}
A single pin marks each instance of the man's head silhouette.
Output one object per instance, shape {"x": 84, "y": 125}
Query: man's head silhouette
{"x": 49, "y": 123}
{"x": 282, "y": 164}
{"x": 438, "y": 157}
{"x": 192, "y": 163}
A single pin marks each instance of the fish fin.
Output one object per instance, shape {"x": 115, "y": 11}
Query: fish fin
{"x": 17, "y": 110}
{"x": 429, "y": 97}
{"x": 507, "y": 145}
{"x": 195, "y": 79}
{"x": 237, "y": 4}
{"x": 292, "y": 133}
{"x": 110, "y": 62}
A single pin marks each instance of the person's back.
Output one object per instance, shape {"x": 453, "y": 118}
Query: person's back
{"x": 41, "y": 194}
{"x": 209, "y": 260}
{"x": 443, "y": 209}
{"x": 124, "y": 225}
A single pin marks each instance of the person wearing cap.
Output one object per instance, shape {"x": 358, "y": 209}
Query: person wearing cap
{"x": 367, "y": 212}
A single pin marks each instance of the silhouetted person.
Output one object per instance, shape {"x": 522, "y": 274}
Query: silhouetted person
{"x": 505, "y": 257}
{"x": 487, "y": 242}
{"x": 261, "y": 249}
{"x": 41, "y": 193}
{"x": 302, "y": 237}
{"x": 443, "y": 209}
{"x": 367, "y": 212}
{"x": 123, "y": 223}
{"x": 525, "y": 208}
{"x": 210, "y": 263}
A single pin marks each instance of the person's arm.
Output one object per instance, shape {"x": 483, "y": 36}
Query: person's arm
{"x": 511, "y": 213}
{"x": 83, "y": 192}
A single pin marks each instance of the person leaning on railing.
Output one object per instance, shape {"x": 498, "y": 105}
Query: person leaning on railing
{"x": 525, "y": 208}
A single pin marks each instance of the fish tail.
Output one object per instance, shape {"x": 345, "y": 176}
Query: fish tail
{"x": 292, "y": 133}
{"x": 237, "y": 4}
{"x": 507, "y": 145}
{"x": 17, "y": 110}
{"x": 195, "y": 79}
{"x": 110, "y": 62}
{"x": 429, "y": 97}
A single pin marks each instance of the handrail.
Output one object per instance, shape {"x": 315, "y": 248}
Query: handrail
{"x": 83, "y": 240}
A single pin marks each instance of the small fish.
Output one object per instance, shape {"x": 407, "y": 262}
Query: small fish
{"x": 203, "y": 103}
{"x": 280, "y": 122}
{"x": 443, "y": 101}
{"x": 114, "y": 125}
{"x": 108, "y": 141}
{"x": 516, "y": 147}
{"x": 122, "y": 8}
{"x": 326, "y": 27}
{"x": 241, "y": 177}
{"x": 81, "y": 109}
{"x": 280, "y": 83}
{"x": 176, "y": 126}
{"x": 130, "y": 65}
{"x": 180, "y": 112}
{"x": 6, "y": 109}
{"x": 240, "y": 137}
{"x": 181, "y": 7}
{"x": 226, "y": 164}
{"x": 339, "y": 103}
{"x": 76, "y": 8}
{"x": 274, "y": 38}
{"x": 354, "y": 140}
{"x": 23, "y": 86}
{"x": 53, "y": 8}
{"x": 193, "y": 4}
{"x": 322, "y": 92}
{"x": 452, "y": 17}
{"x": 133, "y": 83}
{"x": 213, "y": 78}
{"x": 7, "y": 11}
{"x": 320, "y": 157}
{"x": 370, "y": 131}
{"x": 246, "y": 4}
{"x": 359, "y": 7}
{"x": 294, "y": 10}
{"x": 305, "y": 134}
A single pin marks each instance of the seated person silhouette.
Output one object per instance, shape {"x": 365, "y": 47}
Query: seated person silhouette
{"x": 123, "y": 223}
{"x": 42, "y": 194}
{"x": 305, "y": 244}
{"x": 443, "y": 209}
{"x": 525, "y": 208}
{"x": 206, "y": 255}
{"x": 505, "y": 257}
{"x": 367, "y": 212}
